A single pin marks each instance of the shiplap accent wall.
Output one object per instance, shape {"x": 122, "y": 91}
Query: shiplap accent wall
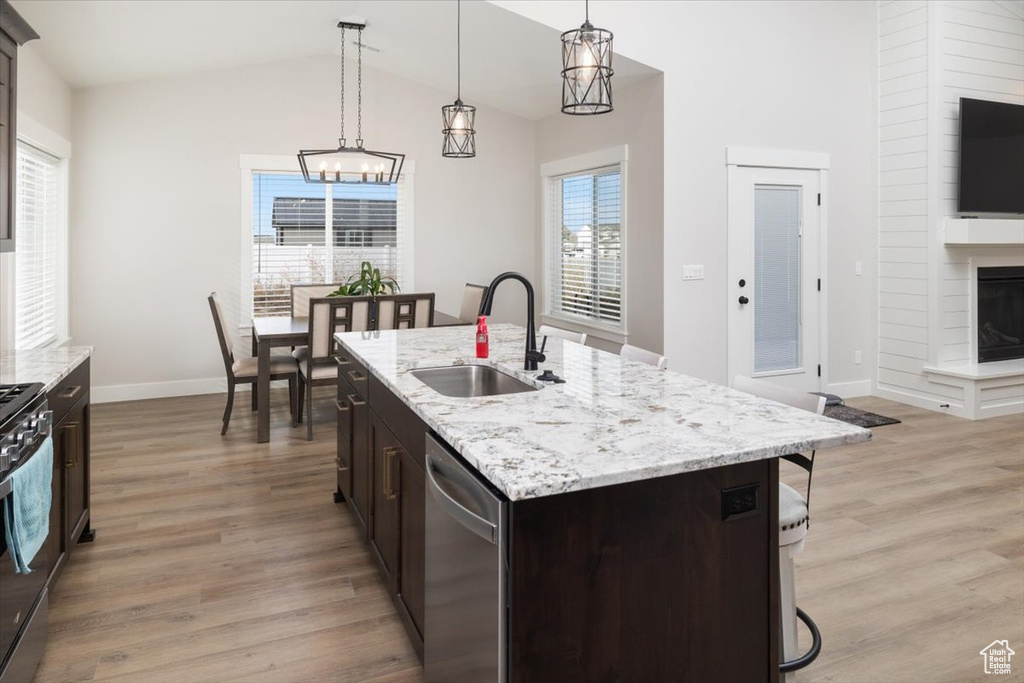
{"x": 930, "y": 55}
{"x": 903, "y": 253}
{"x": 981, "y": 56}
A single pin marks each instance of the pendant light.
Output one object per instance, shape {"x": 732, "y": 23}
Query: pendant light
{"x": 381, "y": 168}
{"x": 587, "y": 69}
{"x": 459, "y": 136}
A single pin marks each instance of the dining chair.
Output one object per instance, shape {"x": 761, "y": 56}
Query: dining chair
{"x": 299, "y": 297}
{"x": 794, "y": 520}
{"x": 318, "y": 368}
{"x": 630, "y": 352}
{"x": 301, "y": 294}
{"x": 404, "y": 311}
{"x": 246, "y": 370}
{"x": 546, "y": 331}
{"x": 472, "y": 297}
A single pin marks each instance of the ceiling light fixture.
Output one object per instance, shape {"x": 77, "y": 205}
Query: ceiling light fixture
{"x": 587, "y": 69}
{"x": 459, "y": 118}
{"x": 335, "y": 165}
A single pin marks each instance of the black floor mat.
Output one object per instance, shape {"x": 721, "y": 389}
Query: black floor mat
{"x": 861, "y": 418}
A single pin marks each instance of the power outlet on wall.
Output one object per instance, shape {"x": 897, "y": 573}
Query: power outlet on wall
{"x": 693, "y": 272}
{"x": 858, "y": 358}
{"x": 858, "y": 269}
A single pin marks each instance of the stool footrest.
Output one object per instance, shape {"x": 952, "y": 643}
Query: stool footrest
{"x": 811, "y": 654}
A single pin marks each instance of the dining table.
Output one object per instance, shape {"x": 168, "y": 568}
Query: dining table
{"x": 270, "y": 332}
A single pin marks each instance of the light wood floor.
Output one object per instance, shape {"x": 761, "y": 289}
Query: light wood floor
{"x": 218, "y": 559}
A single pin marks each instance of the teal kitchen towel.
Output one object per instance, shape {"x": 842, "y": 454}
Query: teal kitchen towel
{"x": 27, "y": 508}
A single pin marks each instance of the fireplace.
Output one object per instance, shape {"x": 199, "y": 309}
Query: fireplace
{"x": 1000, "y": 313}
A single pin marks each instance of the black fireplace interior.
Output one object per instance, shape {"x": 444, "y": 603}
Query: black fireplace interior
{"x": 1000, "y": 313}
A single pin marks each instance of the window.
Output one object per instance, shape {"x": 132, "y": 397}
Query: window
{"x": 584, "y": 245}
{"x": 40, "y": 289}
{"x": 290, "y": 242}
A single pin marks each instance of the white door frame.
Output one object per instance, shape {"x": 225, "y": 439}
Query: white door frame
{"x": 754, "y": 157}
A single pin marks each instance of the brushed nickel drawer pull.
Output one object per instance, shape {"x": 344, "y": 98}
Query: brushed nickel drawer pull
{"x": 342, "y": 408}
{"x": 355, "y": 400}
{"x": 341, "y": 361}
{"x": 342, "y": 467}
{"x": 356, "y": 376}
{"x": 71, "y": 392}
{"x": 389, "y": 458}
{"x": 72, "y": 427}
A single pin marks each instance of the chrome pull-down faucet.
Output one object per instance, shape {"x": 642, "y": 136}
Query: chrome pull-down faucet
{"x": 533, "y": 356}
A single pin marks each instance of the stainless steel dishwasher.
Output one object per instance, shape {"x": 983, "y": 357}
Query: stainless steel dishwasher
{"x": 466, "y": 573}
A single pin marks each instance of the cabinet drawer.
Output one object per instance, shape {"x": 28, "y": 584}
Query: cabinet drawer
{"x": 353, "y": 373}
{"x": 406, "y": 425}
{"x": 69, "y": 391}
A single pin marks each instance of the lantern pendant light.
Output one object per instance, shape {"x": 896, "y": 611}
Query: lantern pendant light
{"x": 380, "y": 168}
{"x": 587, "y": 69}
{"x": 458, "y": 118}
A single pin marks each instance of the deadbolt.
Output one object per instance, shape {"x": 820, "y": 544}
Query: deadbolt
{"x": 743, "y": 283}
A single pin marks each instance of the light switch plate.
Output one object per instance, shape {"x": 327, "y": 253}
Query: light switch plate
{"x": 693, "y": 272}
{"x": 858, "y": 268}
{"x": 858, "y": 358}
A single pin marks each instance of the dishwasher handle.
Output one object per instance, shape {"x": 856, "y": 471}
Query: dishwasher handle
{"x": 463, "y": 515}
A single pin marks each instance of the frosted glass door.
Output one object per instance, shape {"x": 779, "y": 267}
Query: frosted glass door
{"x": 777, "y": 275}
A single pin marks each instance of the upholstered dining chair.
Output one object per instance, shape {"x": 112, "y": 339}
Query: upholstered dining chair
{"x": 631, "y": 352}
{"x": 794, "y": 519}
{"x": 301, "y": 294}
{"x": 472, "y": 297}
{"x": 546, "y": 331}
{"x": 318, "y": 368}
{"x": 404, "y": 311}
{"x": 299, "y": 297}
{"x": 245, "y": 370}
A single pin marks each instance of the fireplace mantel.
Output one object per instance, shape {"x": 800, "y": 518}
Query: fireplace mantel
{"x": 983, "y": 231}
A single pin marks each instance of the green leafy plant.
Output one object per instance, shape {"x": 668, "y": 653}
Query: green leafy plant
{"x": 369, "y": 283}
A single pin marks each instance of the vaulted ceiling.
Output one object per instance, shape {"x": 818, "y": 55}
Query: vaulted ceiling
{"x": 508, "y": 62}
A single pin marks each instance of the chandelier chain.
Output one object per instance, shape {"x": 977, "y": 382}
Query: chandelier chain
{"x": 360, "y": 108}
{"x": 342, "y": 83}
{"x": 458, "y": 50}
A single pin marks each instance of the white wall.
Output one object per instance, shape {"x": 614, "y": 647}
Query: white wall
{"x": 930, "y": 55}
{"x": 45, "y": 99}
{"x": 156, "y": 210}
{"x": 637, "y": 121}
{"x": 790, "y": 75}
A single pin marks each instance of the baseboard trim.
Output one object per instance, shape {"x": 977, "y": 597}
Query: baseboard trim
{"x": 850, "y": 389}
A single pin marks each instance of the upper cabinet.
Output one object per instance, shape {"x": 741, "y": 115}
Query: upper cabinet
{"x": 14, "y": 32}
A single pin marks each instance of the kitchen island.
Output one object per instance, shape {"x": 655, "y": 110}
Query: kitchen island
{"x": 641, "y": 533}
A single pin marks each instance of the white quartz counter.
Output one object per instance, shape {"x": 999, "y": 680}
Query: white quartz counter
{"x": 612, "y": 422}
{"x": 48, "y": 365}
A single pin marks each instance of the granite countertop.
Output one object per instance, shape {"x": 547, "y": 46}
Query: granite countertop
{"x": 612, "y": 422}
{"x": 47, "y": 365}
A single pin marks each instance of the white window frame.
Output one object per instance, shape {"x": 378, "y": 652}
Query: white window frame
{"x": 33, "y": 133}
{"x": 276, "y": 163}
{"x": 612, "y": 156}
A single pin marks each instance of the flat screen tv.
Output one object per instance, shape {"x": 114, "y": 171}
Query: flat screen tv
{"x": 991, "y": 157}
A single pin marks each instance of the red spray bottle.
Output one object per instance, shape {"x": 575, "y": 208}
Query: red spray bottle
{"x": 482, "y": 344}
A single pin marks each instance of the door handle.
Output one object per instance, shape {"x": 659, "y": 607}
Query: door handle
{"x": 483, "y": 528}
{"x": 744, "y": 300}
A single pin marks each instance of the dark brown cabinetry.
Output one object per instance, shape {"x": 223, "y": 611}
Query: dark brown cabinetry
{"x": 69, "y": 512}
{"x": 381, "y": 476}
{"x": 13, "y": 32}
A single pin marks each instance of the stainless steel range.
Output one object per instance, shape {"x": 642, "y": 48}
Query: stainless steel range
{"x": 25, "y": 423}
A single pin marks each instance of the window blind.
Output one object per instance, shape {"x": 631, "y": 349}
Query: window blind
{"x": 777, "y": 278}
{"x": 584, "y": 247}
{"x": 292, "y": 245}
{"x": 37, "y": 258}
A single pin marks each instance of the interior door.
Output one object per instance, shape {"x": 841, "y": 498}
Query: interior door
{"x": 774, "y": 275}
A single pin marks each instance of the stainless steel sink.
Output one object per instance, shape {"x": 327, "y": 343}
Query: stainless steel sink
{"x": 468, "y": 381}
